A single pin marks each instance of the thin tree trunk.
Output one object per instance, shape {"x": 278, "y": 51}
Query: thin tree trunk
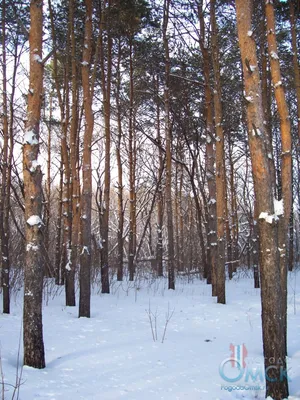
{"x": 86, "y": 198}
{"x": 168, "y": 134}
{"x": 120, "y": 174}
{"x": 34, "y": 355}
{"x": 5, "y": 187}
{"x": 106, "y": 88}
{"x": 210, "y": 157}
{"x": 132, "y": 168}
{"x": 220, "y": 163}
{"x": 160, "y": 199}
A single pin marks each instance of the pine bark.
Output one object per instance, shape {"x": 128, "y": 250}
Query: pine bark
{"x": 220, "y": 163}
{"x": 33, "y": 271}
{"x": 271, "y": 293}
{"x": 286, "y": 156}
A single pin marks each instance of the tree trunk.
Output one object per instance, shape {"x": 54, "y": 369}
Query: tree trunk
{"x": 106, "y": 88}
{"x": 120, "y": 174}
{"x": 168, "y": 135}
{"x": 271, "y": 294}
{"x": 132, "y": 168}
{"x": 5, "y": 186}
{"x": 220, "y": 164}
{"x": 33, "y": 272}
{"x": 86, "y": 199}
{"x": 160, "y": 199}
{"x": 210, "y": 157}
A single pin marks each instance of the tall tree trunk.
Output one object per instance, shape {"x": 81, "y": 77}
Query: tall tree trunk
{"x": 106, "y": 88}
{"x": 271, "y": 294}
{"x": 5, "y": 186}
{"x": 160, "y": 199}
{"x": 86, "y": 198}
{"x": 132, "y": 169}
{"x": 168, "y": 134}
{"x": 297, "y": 87}
{"x": 210, "y": 156}
{"x": 72, "y": 199}
{"x": 34, "y": 355}
{"x": 286, "y": 160}
{"x": 58, "y": 247}
{"x": 296, "y": 68}
{"x": 64, "y": 265}
{"x": 220, "y": 163}
{"x": 120, "y": 172}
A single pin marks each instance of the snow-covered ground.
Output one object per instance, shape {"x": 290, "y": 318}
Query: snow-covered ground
{"x": 113, "y": 355}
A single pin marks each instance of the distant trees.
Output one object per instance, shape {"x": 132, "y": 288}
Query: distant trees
{"x": 143, "y": 130}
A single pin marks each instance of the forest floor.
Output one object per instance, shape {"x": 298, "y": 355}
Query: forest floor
{"x": 116, "y": 355}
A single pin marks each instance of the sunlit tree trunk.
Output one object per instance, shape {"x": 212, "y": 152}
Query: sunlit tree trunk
{"x": 297, "y": 87}
{"x": 271, "y": 293}
{"x": 33, "y": 269}
{"x": 286, "y": 155}
{"x": 220, "y": 163}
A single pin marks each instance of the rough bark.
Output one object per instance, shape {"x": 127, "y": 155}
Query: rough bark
{"x": 286, "y": 156}
{"x": 271, "y": 294}
{"x": 33, "y": 272}
{"x": 220, "y": 163}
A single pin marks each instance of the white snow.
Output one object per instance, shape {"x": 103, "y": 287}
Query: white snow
{"x": 30, "y": 138}
{"x": 249, "y": 99}
{"x": 278, "y": 210}
{"x": 274, "y": 55}
{"x": 37, "y": 58}
{"x": 85, "y": 249}
{"x": 249, "y": 33}
{"x": 32, "y": 246}
{"x": 85, "y": 63}
{"x": 34, "y": 220}
{"x": 279, "y": 83}
{"x": 34, "y": 165}
{"x": 278, "y": 207}
{"x": 113, "y": 356}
